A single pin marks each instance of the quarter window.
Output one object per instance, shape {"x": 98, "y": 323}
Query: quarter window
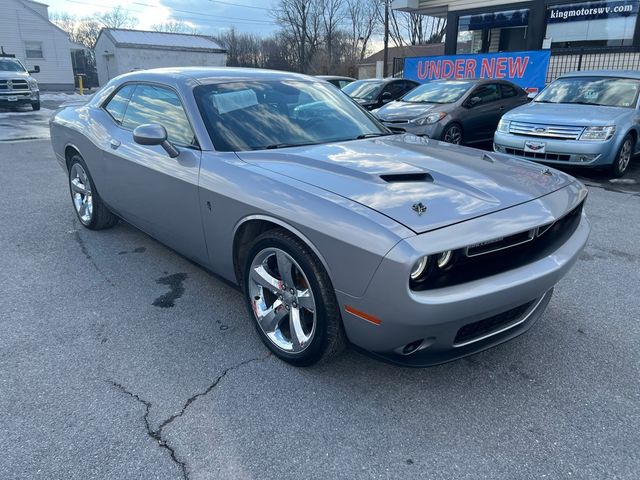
{"x": 33, "y": 49}
{"x": 118, "y": 103}
{"x": 487, "y": 93}
{"x": 153, "y": 104}
{"x": 508, "y": 91}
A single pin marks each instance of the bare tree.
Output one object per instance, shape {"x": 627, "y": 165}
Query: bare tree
{"x": 117, "y": 17}
{"x": 175, "y": 26}
{"x": 84, "y": 31}
{"x": 361, "y": 24}
{"x": 333, "y": 14}
{"x": 301, "y": 22}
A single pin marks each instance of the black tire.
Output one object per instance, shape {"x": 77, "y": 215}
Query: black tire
{"x": 328, "y": 339}
{"x": 101, "y": 217}
{"x": 449, "y": 136}
{"x": 35, "y": 106}
{"x": 620, "y": 164}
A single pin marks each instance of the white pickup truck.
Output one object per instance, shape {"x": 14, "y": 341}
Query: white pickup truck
{"x": 17, "y": 86}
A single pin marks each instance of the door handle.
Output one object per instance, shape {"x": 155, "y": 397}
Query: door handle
{"x": 115, "y": 143}
{"x": 501, "y": 107}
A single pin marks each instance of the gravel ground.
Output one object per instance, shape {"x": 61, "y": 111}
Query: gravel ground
{"x": 97, "y": 382}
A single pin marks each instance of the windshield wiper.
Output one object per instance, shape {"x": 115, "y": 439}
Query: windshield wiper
{"x": 372, "y": 135}
{"x": 283, "y": 145}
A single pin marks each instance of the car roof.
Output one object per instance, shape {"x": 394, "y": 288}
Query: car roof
{"x": 334, "y": 77}
{"x": 604, "y": 73}
{"x": 207, "y": 75}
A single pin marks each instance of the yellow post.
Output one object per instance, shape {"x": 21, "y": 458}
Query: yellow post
{"x": 80, "y": 84}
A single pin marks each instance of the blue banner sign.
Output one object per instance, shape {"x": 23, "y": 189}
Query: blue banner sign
{"x": 527, "y": 69}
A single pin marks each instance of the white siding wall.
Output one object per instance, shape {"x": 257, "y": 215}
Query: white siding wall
{"x": 18, "y": 24}
{"x": 129, "y": 59}
{"x": 105, "y": 65}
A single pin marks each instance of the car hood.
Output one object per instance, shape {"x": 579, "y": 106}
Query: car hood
{"x": 406, "y": 111}
{"x": 12, "y": 75}
{"x": 566, "y": 114}
{"x": 391, "y": 174}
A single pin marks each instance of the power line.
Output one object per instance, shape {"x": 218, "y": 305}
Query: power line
{"x": 239, "y": 5}
{"x": 222, "y": 18}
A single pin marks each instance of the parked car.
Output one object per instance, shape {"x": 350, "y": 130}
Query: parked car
{"x": 334, "y": 228}
{"x": 454, "y": 111}
{"x": 589, "y": 119}
{"x": 375, "y": 92}
{"x": 338, "y": 81}
{"x": 17, "y": 86}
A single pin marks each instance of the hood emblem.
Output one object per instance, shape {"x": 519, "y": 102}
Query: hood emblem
{"x": 540, "y": 130}
{"x": 9, "y": 84}
{"x": 419, "y": 208}
{"x": 547, "y": 172}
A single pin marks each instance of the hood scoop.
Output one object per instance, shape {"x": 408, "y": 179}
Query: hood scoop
{"x": 407, "y": 177}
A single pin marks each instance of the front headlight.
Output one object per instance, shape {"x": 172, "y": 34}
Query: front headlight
{"x": 503, "y": 125}
{"x": 33, "y": 84}
{"x": 429, "y": 119}
{"x": 598, "y": 133}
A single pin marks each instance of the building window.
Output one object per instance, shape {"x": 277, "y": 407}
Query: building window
{"x": 33, "y": 49}
{"x": 493, "y": 32}
{"x": 592, "y": 24}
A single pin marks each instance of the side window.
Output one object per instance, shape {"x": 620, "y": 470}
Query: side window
{"x": 343, "y": 83}
{"x": 508, "y": 91}
{"x": 408, "y": 86}
{"x": 152, "y": 104}
{"x": 395, "y": 89}
{"x": 118, "y": 103}
{"x": 487, "y": 93}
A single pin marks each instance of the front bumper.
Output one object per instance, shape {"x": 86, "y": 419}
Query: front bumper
{"x": 19, "y": 97}
{"x": 558, "y": 152}
{"x": 433, "y": 130}
{"x": 436, "y": 317}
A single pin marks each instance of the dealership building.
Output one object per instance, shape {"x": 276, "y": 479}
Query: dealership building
{"x": 602, "y": 34}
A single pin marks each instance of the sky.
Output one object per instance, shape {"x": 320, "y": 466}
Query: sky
{"x": 207, "y": 16}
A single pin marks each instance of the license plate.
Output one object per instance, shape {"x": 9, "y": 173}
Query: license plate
{"x": 534, "y": 147}
{"x": 12, "y": 98}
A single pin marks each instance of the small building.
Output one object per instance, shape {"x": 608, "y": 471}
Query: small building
{"x": 601, "y": 34}
{"x": 120, "y": 51}
{"x": 367, "y": 67}
{"x": 27, "y": 33}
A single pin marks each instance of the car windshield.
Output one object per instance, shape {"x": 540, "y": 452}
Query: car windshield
{"x": 257, "y": 115}
{"x": 437, "y": 92}
{"x": 9, "y": 65}
{"x": 364, "y": 89}
{"x": 612, "y": 92}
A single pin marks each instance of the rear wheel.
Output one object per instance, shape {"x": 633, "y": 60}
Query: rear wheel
{"x": 291, "y": 300}
{"x": 90, "y": 209}
{"x": 452, "y": 134}
{"x": 623, "y": 158}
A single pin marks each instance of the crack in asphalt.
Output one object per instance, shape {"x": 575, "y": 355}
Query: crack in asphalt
{"x": 156, "y": 434}
{"x": 83, "y": 248}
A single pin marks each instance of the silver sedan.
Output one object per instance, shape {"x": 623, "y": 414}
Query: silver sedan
{"x": 336, "y": 230}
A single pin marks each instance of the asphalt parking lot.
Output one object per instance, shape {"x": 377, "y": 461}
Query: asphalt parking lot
{"x": 121, "y": 359}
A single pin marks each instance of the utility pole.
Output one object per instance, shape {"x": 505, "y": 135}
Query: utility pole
{"x": 385, "y": 57}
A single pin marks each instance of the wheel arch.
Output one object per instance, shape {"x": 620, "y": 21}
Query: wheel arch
{"x": 69, "y": 151}
{"x": 250, "y": 227}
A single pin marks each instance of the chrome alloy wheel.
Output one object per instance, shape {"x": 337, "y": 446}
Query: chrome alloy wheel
{"x": 625, "y": 155}
{"x": 453, "y": 135}
{"x": 282, "y": 300}
{"x": 81, "y": 193}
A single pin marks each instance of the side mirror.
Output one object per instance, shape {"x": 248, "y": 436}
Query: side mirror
{"x": 154, "y": 134}
{"x": 473, "y": 101}
{"x": 36, "y": 69}
{"x": 387, "y": 97}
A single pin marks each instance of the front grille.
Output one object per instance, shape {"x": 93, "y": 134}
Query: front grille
{"x": 395, "y": 121}
{"x": 18, "y": 84}
{"x": 489, "y": 325}
{"x": 546, "y": 239}
{"x": 549, "y": 131}
{"x": 537, "y": 156}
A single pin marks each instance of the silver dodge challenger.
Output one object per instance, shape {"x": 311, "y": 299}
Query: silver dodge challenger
{"x": 336, "y": 229}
